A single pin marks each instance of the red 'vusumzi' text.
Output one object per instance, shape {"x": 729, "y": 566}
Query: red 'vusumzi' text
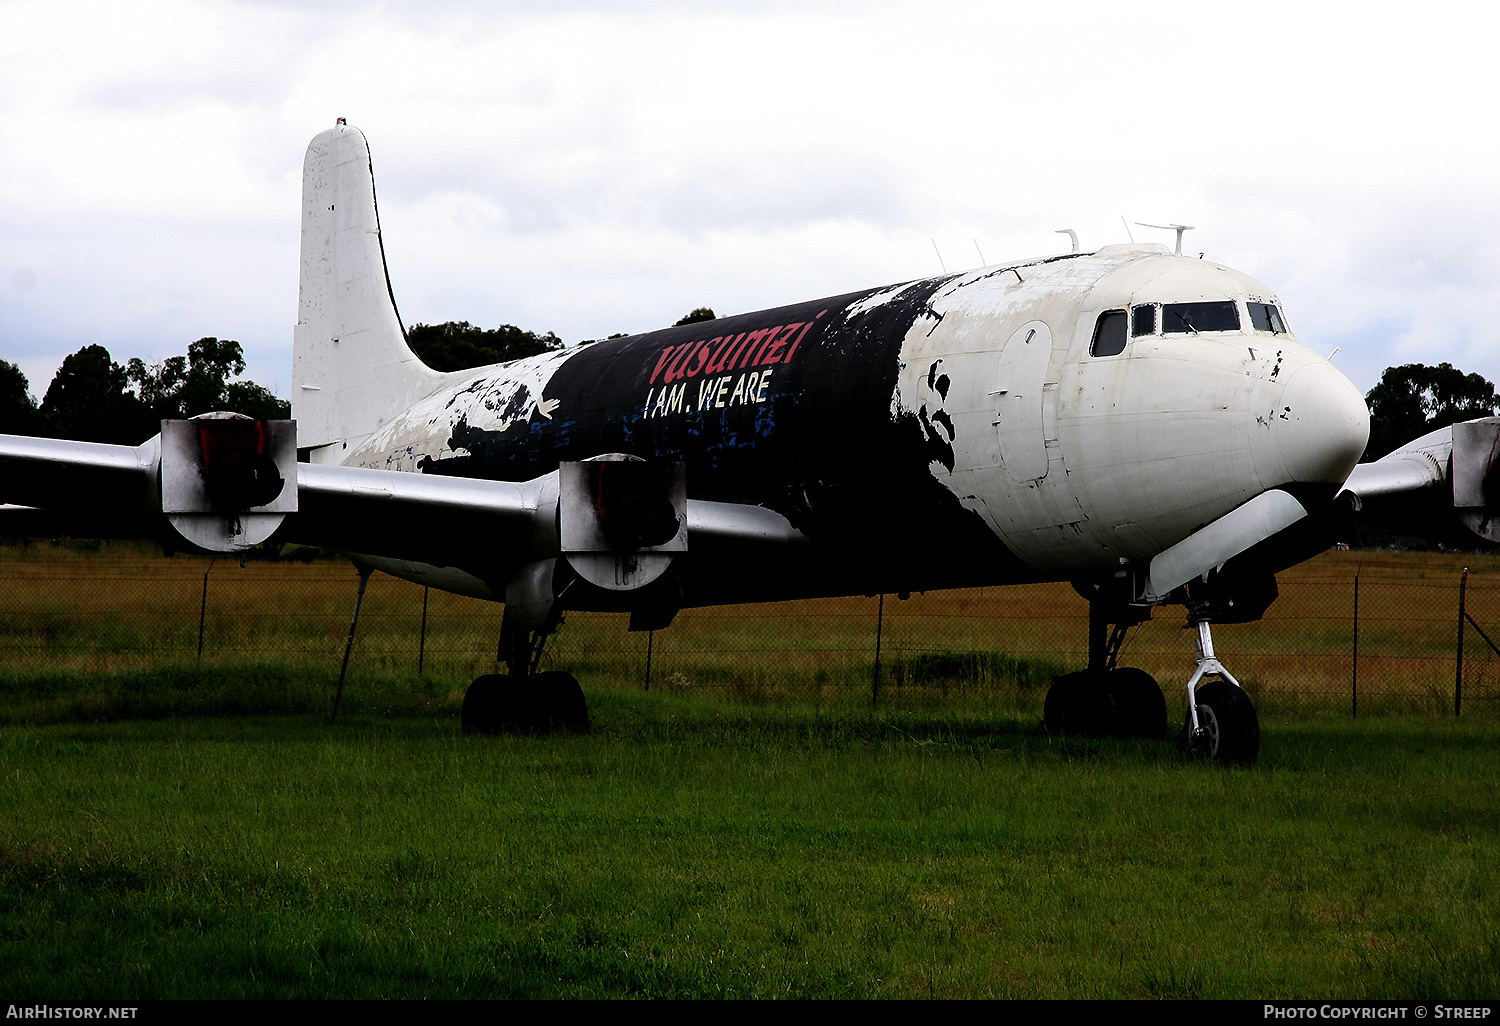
{"x": 731, "y": 352}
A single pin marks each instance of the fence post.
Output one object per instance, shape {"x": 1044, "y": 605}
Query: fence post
{"x": 650, "y": 637}
{"x": 364, "y": 579}
{"x": 422, "y": 644}
{"x": 1354, "y": 679}
{"x": 879, "y": 624}
{"x": 1458, "y": 663}
{"x": 203, "y": 612}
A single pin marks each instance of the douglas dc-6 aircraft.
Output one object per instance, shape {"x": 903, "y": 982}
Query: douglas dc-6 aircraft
{"x": 1140, "y": 423}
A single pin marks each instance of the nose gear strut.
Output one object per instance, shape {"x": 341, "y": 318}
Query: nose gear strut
{"x": 1221, "y": 721}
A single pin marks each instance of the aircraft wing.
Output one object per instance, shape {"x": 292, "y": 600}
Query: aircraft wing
{"x": 1443, "y": 474}
{"x": 48, "y": 468}
{"x": 58, "y": 487}
{"x": 1416, "y": 466}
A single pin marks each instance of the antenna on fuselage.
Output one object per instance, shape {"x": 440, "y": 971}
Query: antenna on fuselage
{"x": 939, "y": 255}
{"x": 1178, "y": 228}
{"x": 980, "y": 252}
{"x": 1128, "y": 233}
{"x": 1070, "y": 233}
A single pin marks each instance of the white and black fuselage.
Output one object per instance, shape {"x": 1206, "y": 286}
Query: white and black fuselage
{"x": 1051, "y": 419}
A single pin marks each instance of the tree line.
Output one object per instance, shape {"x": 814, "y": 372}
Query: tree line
{"x": 93, "y": 398}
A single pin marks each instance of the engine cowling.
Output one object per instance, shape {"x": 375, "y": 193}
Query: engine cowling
{"x": 1476, "y": 480}
{"x": 622, "y": 520}
{"x": 227, "y": 480}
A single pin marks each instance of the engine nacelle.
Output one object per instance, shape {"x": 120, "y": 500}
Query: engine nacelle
{"x": 622, "y": 520}
{"x": 227, "y": 480}
{"x": 1476, "y": 481}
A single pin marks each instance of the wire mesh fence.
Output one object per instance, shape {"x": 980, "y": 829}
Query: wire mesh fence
{"x": 1351, "y": 631}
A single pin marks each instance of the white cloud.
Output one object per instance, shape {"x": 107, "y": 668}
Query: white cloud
{"x": 595, "y": 168}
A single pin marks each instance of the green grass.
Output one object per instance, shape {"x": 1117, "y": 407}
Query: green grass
{"x": 695, "y": 847}
{"x": 749, "y": 827}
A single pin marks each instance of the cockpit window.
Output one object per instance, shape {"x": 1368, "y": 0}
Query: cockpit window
{"x": 1109, "y": 334}
{"x": 1143, "y": 320}
{"x": 1267, "y": 317}
{"x": 1196, "y": 317}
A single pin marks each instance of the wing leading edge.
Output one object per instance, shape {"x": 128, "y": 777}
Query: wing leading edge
{"x": 94, "y": 489}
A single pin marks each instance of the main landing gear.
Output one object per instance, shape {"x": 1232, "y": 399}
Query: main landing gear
{"x": 524, "y": 700}
{"x": 1107, "y": 700}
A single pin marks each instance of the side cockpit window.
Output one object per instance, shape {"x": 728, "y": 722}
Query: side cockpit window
{"x": 1196, "y": 317}
{"x": 1143, "y": 320}
{"x": 1109, "y": 334}
{"x": 1267, "y": 317}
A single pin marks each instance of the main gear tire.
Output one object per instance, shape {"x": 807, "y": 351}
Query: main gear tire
{"x": 488, "y": 705}
{"x": 562, "y": 698}
{"x": 1079, "y": 703}
{"x": 1139, "y": 706}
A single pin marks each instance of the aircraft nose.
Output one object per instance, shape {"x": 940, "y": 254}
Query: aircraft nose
{"x": 1325, "y": 425}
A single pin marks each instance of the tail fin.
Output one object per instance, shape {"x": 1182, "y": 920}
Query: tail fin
{"x": 351, "y": 368}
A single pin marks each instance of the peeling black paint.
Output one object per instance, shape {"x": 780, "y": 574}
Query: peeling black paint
{"x": 823, "y": 449}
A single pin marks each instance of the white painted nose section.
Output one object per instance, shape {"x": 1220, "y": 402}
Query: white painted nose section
{"x": 1323, "y": 425}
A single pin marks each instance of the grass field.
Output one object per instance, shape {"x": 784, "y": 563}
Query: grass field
{"x": 751, "y": 826}
{"x": 692, "y": 848}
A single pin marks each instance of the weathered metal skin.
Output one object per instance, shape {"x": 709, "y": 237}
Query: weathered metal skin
{"x": 954, "y": 431}
{"x": 941, "y": 433}
{"x": 795, "y": 409}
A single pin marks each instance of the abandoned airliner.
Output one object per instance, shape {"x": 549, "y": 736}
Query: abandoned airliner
{"x": 1142, "y": 424}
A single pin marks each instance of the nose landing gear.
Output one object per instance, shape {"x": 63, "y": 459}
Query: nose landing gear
{"x": 1221, "y": 722}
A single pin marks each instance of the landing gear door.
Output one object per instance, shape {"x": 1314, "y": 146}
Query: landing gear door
{"x": 1018, "y": 401}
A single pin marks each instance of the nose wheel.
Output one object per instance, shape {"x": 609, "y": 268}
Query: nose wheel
{"x": 1221, "y": 722}
{"x": 1121, "y": 701}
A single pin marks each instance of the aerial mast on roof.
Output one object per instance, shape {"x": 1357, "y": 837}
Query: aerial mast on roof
{"x": 1178, "y": 228}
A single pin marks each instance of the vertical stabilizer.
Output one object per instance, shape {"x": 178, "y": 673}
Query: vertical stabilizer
{"x": 351, "y": 368}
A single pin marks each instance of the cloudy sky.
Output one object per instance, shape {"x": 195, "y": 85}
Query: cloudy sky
{"x": 588, "y": 168}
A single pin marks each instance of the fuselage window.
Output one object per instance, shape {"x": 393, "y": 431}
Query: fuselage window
{"x": 1109, "y": 334}
{"x": 1267, "y": 317}
{"x": 1196, "y": 317}
{"x": 1143, "y": 320}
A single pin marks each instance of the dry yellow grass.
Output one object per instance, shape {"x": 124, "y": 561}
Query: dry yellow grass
{"x": 124, "y": 607}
